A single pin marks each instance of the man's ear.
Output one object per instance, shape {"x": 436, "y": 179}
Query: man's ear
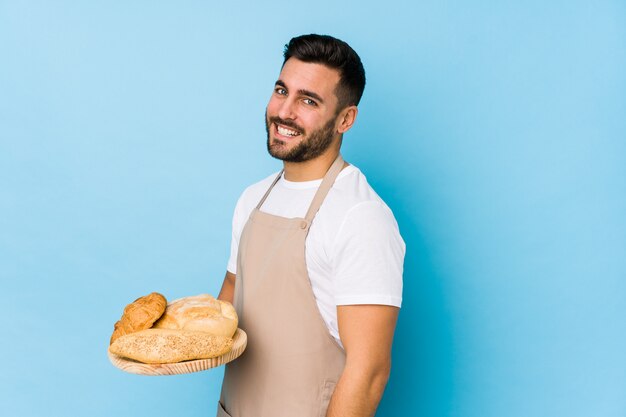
{"x": 347, "y": 117}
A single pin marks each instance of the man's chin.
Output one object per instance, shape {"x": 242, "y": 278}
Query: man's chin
{"x": 277, "y": 149}
{"x": 278, "y": 143}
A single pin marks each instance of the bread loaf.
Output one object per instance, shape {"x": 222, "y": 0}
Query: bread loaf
{"x": 140, "y": 315}
{"x": 200, "y": 313}
{"x": 156, "y": 346}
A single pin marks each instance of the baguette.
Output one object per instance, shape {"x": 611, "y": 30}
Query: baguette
{"x": 155, "y": 346}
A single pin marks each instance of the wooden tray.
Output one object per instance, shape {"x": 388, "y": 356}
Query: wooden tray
{"x": 240, "y": 341}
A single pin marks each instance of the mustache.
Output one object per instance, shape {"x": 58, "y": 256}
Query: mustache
{"x": 286, "y": 123}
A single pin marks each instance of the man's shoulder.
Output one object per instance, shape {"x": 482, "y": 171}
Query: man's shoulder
{"x": 253, "y": 193}
{"x": 354, "y": 189}
{"x": 352, "y": 197}
{"x": 260, "y": 186}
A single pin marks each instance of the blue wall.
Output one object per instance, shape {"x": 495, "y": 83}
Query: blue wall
{"x": 496, "y": 131}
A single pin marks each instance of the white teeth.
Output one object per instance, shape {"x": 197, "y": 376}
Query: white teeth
{"x": 286, "y": 132}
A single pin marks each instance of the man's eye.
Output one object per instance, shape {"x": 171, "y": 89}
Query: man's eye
{"x": 310, "y": 102}
{"x": 281, "y": 91}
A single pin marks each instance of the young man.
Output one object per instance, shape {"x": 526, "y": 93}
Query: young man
{"x": 316, "y": 258}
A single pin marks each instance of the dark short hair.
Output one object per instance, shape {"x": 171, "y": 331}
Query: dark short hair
{"x": 335, "y": 54}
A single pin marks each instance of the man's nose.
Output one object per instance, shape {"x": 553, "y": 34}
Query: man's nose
{"x": 287, "y": 110}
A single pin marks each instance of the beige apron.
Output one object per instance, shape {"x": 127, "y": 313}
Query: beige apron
{"x": 292, "y": 363}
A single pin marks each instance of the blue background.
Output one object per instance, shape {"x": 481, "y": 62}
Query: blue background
{"x": 495, "y": 131}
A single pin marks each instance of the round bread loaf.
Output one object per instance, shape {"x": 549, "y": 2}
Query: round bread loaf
{"x": 201, "y": 313}
{"x": 139, "y": 315}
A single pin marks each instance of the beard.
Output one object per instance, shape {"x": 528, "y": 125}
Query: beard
{"x": 312, "y": 146}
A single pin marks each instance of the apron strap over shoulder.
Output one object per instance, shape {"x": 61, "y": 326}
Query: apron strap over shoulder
{"x": 325, "y": 186}
{"x": 258, "y": 207}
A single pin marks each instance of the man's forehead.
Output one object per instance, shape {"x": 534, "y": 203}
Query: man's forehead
{"x": 310, "y": 76}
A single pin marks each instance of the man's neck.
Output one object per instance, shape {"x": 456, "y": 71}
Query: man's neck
{"x": 314, "y": 169}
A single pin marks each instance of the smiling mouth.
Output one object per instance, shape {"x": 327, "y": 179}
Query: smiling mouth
{"x": 283, "y": 131}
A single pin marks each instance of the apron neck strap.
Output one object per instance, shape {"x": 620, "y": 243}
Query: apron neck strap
{"x": 322, "y": 191}
{"x": 325, "y": 186}
{"x": 258, "y": 206}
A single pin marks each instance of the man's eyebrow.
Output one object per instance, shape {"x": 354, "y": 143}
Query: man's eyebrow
{"x": 302, "y": 92}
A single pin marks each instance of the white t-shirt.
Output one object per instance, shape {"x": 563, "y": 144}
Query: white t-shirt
{"x": 354, "y": 251}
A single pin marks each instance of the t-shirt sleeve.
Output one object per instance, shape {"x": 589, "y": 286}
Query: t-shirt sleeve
{"x": 368, "y": 257}
{"x": 239, "y": 219}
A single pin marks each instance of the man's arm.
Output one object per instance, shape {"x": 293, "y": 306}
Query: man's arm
{"x": 227, "y": 292}
{"x": 366, "y": 332}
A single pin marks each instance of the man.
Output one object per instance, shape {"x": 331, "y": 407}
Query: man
{"x": 316, "y": 259}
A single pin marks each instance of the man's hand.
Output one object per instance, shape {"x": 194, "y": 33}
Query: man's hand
{"x": 366, "y": 332}
{"x": 227, "y": 293}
